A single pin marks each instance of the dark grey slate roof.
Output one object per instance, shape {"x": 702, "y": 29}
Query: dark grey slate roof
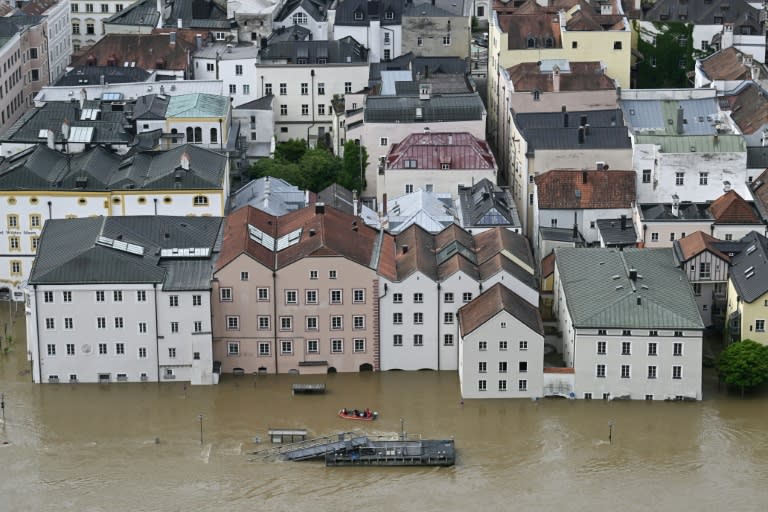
{"x": 561, "y": 235}
{"x": 749, "y": 268}
{"x": 361, "y": 12}
{"x": 292, "y": 33}
{"x": 600, "y": 294}
{"x": 757, "y": 157}
{"x": 162, "y": 169}
{"x": 145, "y": 141}
{"x": 151, "y": 106}
{"x": 687, "y": 211}
{"x": 318, "y": 9}
{"x": 334, "y": 52}
{"x": 450, "y": 107}
{"x": 263, "y": 103}
{"x": 197, "y": 14}
{"x": 548, "y": 130}
{"x": 71, "y": 251}
{"x": 486, "y": 205}
{"x": 41, "y": 168}
{"x": 143, "y": 13}
{"x": 82, "y": 75}
{"x": 613, "y": 234}
{"x": 703, "y": 12}
{"x": 436, "y": 8}
{"x": 108, "y": 129}
{"x": 11, "y": 25}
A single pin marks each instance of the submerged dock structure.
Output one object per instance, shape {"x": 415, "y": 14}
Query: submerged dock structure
{"x": 395, "y": 453}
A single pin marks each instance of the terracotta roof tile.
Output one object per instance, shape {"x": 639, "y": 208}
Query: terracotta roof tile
{"x": 542, "y": 27}
{"x": 494, "y": 300}
{"x": 550, "y": 369}
{"x": 495, "y": 240}
{"x": 698, "y": 242}
{"x": 731, "y": 208}
{"x": 548, "y": 264}
{"x": 147, "y": 51}
{"x": 583, "y": 76}
{"x": 574, "y": 189}
{"x": 726, "y": 64}
{"x": 749, "y": 109}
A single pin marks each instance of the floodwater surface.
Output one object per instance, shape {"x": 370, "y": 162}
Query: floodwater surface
{"x": 137, "y": 447}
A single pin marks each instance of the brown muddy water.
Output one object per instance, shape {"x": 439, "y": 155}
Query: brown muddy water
{"x": 92, "y": 448}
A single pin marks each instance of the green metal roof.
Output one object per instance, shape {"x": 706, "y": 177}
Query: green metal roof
{"x": 600, "y": 294}
{"x": 695, "y": 143}
{"x": 198, "y": 105}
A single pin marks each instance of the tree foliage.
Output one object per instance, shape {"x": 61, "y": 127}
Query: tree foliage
{"x": 744, "y": 364}
{"x": 667, "y": 59}
{"x": 353, "y": 172}
{"x": 312, "y": 169}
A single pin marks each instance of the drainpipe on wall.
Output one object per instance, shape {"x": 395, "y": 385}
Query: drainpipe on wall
{"x": 37, "y": 323}
{"x": 274, "y": 323}
{"x": 157, "y": 334}
{"x": 438, "y": 325}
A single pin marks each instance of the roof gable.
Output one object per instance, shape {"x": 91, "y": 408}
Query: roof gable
{"x": 592, "y": 189}
{"x": 731, "y": 208}
{"x": 491, "y": 302}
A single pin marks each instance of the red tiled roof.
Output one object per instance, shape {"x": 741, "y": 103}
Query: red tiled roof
{"x": 583, "y": 76}
{"x": 332, "y": 233}
{"x": 698, "y": 242}
{"x": 148, "y": 51}
{"x": 588, "y": 189}
{"x": 731, "y": 208}
{"x": 759, "y": 189}
{"x": 749, "y": 109}
{"x": 540, "y": 26}
{"x": 491, "y": 302}
{"x": 548, "y": 264}
{"x": 37, "y": 7}
{"x": 559, "y": 370}
{"x": 431, "y": 150}
{"x": 727, "y": 64}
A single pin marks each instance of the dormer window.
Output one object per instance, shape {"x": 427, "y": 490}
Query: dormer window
{"x": 300, "y": 18}
{"x": 445, "y": 166}
{"x": 549, "y": 42}
{"x": 536, "y": 95}
{"x": 530, "y": 42}
{"x": 389, "y": 15}
{"x": 358, "y": 15}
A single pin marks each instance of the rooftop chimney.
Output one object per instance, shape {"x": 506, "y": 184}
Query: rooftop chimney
{"x": 586, "y": 129}
{"x": 306, "y": 197}
{"x": 384, "y": 205}
{"x": 583, "y": 120}
{"x": 680, "y": 120}
{"x": 633, "y": 274}
{"x": 185, "y": 161}
{"x": 179, "y": 23}
{"x": 355, "y": 211}
{"x": 319, "y": 208}
{"x": 575, "y": 231}
{"x": 556, "y": 79}
{"x": 172, "y": 38}
{"x": 51, "y": 139}
{"x": 198, "y": 41}
{"x": 623, "y": 222}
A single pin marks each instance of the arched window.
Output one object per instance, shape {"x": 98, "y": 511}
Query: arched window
{"x": 198, "y": 134}
{"x": 174, "y": 131}
{"x": 531, "y": 42}
{"x": 190, "y": 134}
{"x": 214, "y": 136}
{"x": 200, "y": 201}
{"x": 549, "y": 42}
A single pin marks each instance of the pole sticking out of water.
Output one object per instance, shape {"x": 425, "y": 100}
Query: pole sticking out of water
{"x": 200, "y": 417}
{"x": 2, "y": 405}
{"x": 610, "y": 432}
{"x": 402, "y": 429}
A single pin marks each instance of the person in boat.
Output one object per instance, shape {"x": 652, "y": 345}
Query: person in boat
{"x": 367, "y": 412}
{"x": 344, "y": 411}
{"x": 357, "y": 413}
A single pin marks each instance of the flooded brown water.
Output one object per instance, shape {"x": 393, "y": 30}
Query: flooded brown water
{"x": 92, "y": 448}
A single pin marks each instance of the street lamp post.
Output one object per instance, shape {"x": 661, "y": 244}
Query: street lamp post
{"x": 610, "y": 432}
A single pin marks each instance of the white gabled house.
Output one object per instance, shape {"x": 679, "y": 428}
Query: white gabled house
{"x": 501, "y": 346}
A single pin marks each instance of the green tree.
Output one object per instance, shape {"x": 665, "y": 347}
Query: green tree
{"x": 744, "y": 364}
{"x": 320, "y": 168}
{"x": 291, "y": 151}
{"x": 288, "y": 171}
{"x": 352, "y": 171}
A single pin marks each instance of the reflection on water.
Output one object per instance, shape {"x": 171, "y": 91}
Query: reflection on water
{"x": 92, "y": 448}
